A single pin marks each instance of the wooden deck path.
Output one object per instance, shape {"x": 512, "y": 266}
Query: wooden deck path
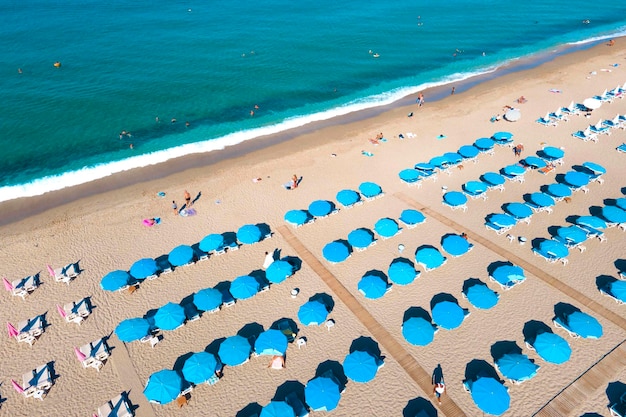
{"x": 391, "y": 345}
{"x": 128, "y": 376}
{"x": 586, "y": 385}
{"x": 580, "y": 298}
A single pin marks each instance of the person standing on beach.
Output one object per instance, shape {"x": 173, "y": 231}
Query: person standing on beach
{"x": 452, "y": 92}
{"x": 174, "y": 207}
{"x": 188, "y": 202}
{"x": 294, "y": 181}
{"x": 420, "y": 100}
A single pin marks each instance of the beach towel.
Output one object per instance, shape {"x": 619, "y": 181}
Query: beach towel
{"x": 554, "y": 90}
{"x": 367, "y": 153}
{"x": 161, "y": 194}
{"x": 151, "y": 222}
{"x": 441, "y": 137}
{"x": 188, "y": 212}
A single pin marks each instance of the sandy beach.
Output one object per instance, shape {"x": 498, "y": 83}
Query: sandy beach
{"x": 104, "y": 232}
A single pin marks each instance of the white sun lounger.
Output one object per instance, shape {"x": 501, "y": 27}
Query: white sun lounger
{"x": 117, "y": 407}
{"x": 37, "y": 382}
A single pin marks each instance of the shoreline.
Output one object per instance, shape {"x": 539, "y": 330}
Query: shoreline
{"x": 16, "y": 210}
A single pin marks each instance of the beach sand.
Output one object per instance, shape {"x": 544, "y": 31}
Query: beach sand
{"x": 104, "y": 232}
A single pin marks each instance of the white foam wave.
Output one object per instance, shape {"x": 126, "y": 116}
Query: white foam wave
{"x": 619, "y": 32}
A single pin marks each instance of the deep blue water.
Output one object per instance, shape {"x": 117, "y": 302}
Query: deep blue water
{"x": 125, "y": 63}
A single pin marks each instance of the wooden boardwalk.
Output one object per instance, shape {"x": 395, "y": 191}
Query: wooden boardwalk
{"x": 128, "y": 376}
{"x": 391, "y": 345}
{"x": 580, "y": 298}
{"x": 587, "y": 385}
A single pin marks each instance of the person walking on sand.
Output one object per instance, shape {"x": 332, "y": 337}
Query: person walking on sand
{"x": 420, "y": 100}
{"x": 188, "y": 202}
{"x": 439, "y": 389}
{"x": 438, "y": 382}
{"x": 453, "y": 90}
{"x": 174, "y": 207}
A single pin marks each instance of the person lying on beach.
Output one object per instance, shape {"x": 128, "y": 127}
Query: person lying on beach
{"x": 277, "y": 362}
{"x": 294, "y": 181}
{"x": 522, "y": 99}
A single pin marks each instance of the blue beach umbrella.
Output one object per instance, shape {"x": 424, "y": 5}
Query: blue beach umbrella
{"x": 418, "y": 331}
{"x": 115, "y": 280}
{"x": 518, "y": 210}
{"x": 475, "y": 188}
{"x": 484, "y": 144}
{"x": 502, "y": 220}
{"x": 424, "y": 166}
{"x": 312, "y": 313}
{"x": 558, "y": 190}
{"x": 553, "y": 249}
{"x": 372, "y": 286}
{"x": 621, "y": 203}
{"x": 430, "y": 257}
{"x": 143, "y": 268}
{"x": 534, "y": 162}
{"x": 468, "y": 151}
{"x": 348, "y": 197}
{"x": 448, "y": 315}
{"x": 336, "y": 251}
{"x": 507, "y": 273}
{"x": 412, "y": 217}
{"x": 277, "y": 409}
{"x": 360, "y": 238}
{"x": 169, "y": 317}
{"x": 542, "y": 199}
{"x": 492, "y": 178}
{"x": 409, "y": 175}
{"x": 278, "y": 271}
{"x": 584, "y": 325}
{"x": 360, "y": 366}
{"x": 552, "y": 348}
{"x": 271, "y": 342}
{"x": 234, "y": 350}
{"x": 130, "y": 330}
{"x": 297, "y": 217}
{"x": 572, "y": 234}
{"x": 618, "y": 290}
{"x": 614, "y": 214}
{"x": 455, "y": 245}
{"x": 490, "y": 396}
{"x": 211, "y": 242}
{"x": 402, "y": 272}
{"x": 249, "y": 234}
{"x": 386, "y": 227}
{"x": 513, "y": 170}
{"x": 180, "y": 255}
{"x": 516, "y": 367}
{"x": 439, "y": 161}
{"x": 453, "y": 157}
{"x": 591, "y": 221}
{"x": 200, "y": 367}
{"x": 244, "y": 287}
{"x": 370, "y": 189}
{"x": 576, "y": 179}
{"x": 320, "y": 208}
{"x": 207, "y": 299}
{"x": 551, "y": 153}
{"x": 322, "y": 394}
{"x": 597, "y": 169}
{"x": 502, "y": 136}
{"x": 163, "y": 386}
{"x": 455, "y": 198}
{"x": 481, "y": 296}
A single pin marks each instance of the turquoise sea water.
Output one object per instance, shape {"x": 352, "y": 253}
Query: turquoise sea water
{"x": 125, "y": 63}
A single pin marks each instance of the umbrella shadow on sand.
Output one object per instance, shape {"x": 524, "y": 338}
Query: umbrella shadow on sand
{"x": 603, "y": 281}
{"x": 470, "y": 282}
{"x": 562, "y": 310}
{"x": 366, "y": 344}
{"x": 337, "y": 370}
{"x": 416, "y": 312}
{"x": 287, "y": 388}
{"x": 180, "y": 361}
{"x": 214, "y": 346}
{"x": 442, "y": 296}
{"x": 252, "y": 409}
{"x": 532, "y": 328}
{"x": 480, "y": 367}
{"x": 614, "y": 391}
{"x": 251, "y": 331}
{"x": 495, "y": 265}
{"x": 325, "y": 299}
{"x": 503, "y": 347}
{"x": 417, "y": 405}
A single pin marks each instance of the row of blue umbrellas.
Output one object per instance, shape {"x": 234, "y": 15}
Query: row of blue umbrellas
{"x": 179, "y": 256}
{"x": 445, "y": 314}
{"x": 368, "y": 189}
